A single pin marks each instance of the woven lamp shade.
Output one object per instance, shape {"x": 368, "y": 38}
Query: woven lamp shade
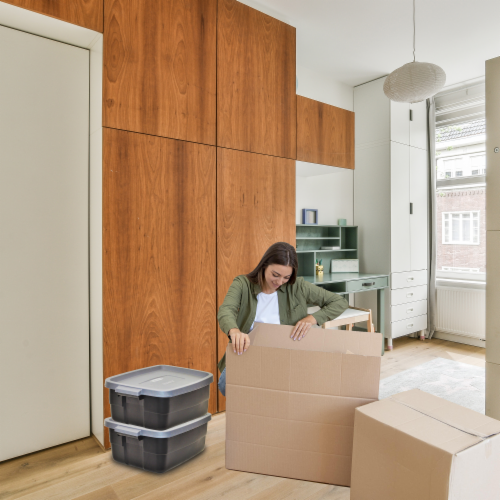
{"x": 414, "y": 82}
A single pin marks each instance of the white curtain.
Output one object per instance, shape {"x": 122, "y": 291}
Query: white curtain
{"x": 431, "y": 278}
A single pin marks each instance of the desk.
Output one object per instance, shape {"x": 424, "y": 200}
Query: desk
{"x": 345, "y": 283}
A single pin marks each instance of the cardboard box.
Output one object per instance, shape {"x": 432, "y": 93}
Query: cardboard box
{"x": 415, "y": 446}
{"x": 290, "y": 404}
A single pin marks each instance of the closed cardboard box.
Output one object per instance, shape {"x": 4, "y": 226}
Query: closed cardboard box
{"x": 290, "y": 404}
{"x": 415, "y": 446}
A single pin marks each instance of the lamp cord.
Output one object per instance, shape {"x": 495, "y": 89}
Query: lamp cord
{"x": 413, "y": 30}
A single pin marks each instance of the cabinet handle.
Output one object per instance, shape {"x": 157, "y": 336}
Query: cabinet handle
{"x": 409, "y": 310}
{"x": 409, "y": 294}
{"x": 410, "y": 279}
{"x": 409, "y": 326}
{"x": 411, "y": 115}
{"x": 368, "y": 284}
{"x": 411, "y": 208}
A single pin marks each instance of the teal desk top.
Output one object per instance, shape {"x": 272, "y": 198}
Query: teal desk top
{"x": 340, "y": 277}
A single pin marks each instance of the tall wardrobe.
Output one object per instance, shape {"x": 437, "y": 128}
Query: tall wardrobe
{"x": 391, "y": 202}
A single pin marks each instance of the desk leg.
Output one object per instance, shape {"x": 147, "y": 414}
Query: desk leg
{"x": 381, "y": 318}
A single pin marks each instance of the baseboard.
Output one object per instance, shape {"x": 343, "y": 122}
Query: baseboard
{"x": 461, "y": 339}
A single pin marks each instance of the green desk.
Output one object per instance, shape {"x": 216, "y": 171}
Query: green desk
{"x": 345, "y": 283}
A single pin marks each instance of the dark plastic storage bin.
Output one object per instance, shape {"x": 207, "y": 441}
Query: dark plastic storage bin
{"x": 159, "y": 397}
{"x": 157, "y": 451}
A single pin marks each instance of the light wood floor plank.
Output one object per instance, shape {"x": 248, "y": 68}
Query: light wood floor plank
{"x": 82, "y": 471}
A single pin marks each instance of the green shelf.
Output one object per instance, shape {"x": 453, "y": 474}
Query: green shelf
{"x": 309, "y": 240}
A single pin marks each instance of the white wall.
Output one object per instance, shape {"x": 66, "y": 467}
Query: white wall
{"x": 331, "y": 194}
{"x": 329, "y": 189}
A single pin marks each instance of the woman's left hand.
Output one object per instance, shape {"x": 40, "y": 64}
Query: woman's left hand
{"x": 302, "y": 327}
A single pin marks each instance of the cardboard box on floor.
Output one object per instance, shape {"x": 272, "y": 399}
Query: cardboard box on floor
{"x": 290, "y": 404}
{"x": 416, "y": 446}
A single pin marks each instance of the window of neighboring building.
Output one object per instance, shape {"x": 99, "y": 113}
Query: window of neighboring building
{"x": 447, "y": 175}
{"x": 461, "y": 228}
{"x": 459, "y": 173}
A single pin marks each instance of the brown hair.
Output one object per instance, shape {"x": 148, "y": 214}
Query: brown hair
{"x": 280, "y": 253}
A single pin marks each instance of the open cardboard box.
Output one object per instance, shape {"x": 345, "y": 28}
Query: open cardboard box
{"x": 290, "y": 404}
{"x": 416, "y": 446}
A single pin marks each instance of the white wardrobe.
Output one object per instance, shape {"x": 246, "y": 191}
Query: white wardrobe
{"x": 391, "y": 202}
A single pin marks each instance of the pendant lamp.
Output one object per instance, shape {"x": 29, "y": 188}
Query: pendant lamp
{"x": 414, "y": 81}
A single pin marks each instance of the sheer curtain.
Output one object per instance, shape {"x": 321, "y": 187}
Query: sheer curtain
{"x": 431, "y": 278}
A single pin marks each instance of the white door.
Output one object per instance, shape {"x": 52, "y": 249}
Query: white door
{"x": 418, "y": 125}
{"x": 419, "y": 201}
{"x": 400, "y": 122}
{"x": 44, "y": 304}
{"x": 400, "y": 208}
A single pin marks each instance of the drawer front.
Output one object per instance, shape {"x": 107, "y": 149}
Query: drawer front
{"x": 403, "y": 280}
{"x": 410, "y": 310}
{"x": 368, "y": 284}
{"x": 407, "y": 326}
{"x": 405, "y": 295}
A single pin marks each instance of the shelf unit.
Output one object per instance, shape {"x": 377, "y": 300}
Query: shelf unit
{"x": 310, "y": 239}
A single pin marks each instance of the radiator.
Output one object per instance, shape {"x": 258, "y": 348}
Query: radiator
{"x": 461, "y": 311}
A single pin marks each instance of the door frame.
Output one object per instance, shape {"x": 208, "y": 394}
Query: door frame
{"x": 61, "y": 31}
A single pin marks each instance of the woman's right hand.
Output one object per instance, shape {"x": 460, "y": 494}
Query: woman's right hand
{"x": 240, "y": 340}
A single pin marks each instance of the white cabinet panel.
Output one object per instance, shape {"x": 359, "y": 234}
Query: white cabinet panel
{"x": 400, "y": 207}
{"x": 407, "y": 326}
{"x": 418, "y": 125}
{"x": 419, "y": 201}
{"x": 406, "y": 295}
{"x": 408, "y": 279}
{"x": 400, "y": 122}
{"x": 44, "y": 225}
{"x": 410, "y": 310}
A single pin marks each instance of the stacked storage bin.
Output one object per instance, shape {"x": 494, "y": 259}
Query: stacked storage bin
{"x": 158, "y": 416}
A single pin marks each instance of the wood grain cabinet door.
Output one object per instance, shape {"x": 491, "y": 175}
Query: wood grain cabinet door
{"x": 325, "y": 134}
{"x": 86, "y": 13}
{"x": 255, "y": 208}
{"x": 256, "y": 104}
{"x": 159, "y": 255}
{"x": 160, "y": 69}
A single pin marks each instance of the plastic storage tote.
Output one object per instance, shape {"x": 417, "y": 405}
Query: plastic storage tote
{"x": 159, "y": 397}
{"x": 157, "y": 451}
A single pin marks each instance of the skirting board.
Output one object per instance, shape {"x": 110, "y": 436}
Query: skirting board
{"x": 461, "y": 339}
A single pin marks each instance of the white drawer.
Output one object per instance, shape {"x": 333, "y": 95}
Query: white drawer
{"x": 407, "y": 326}
{"x": 405, "y": 295}
{"x": 410, "y": 310}
{"x": 403, "y": 280}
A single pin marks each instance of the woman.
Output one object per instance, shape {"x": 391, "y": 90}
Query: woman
{"x": 272, "y": 293}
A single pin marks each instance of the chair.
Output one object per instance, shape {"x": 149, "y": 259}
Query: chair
{"x": 348, "y": 318}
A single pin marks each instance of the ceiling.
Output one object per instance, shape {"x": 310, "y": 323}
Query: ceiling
{"x": 355, "y": 41}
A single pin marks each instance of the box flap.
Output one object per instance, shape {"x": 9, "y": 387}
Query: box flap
{"x": 433, "y": 420}
{"x": 318, "y": 339}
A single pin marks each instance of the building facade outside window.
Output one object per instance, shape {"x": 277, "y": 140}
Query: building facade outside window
{"x": 461, "y": 201}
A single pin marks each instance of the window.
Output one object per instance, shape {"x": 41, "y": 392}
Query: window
{"x": 461, "y": 269}
{"x": 447, "y": 175}
{"x": 461, "y": 228}
{"x": 459, "y": 173}
{"x": 475, "y": 172}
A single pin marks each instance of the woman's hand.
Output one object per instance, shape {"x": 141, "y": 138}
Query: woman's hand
{"x": 302, "y": 327}
{"x": 240, "y": 340}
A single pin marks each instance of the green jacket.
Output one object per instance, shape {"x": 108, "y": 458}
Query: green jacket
{"x": 240, "y": 305}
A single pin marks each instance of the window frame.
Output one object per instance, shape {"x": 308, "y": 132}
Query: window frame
{"x": 448, "y": 226}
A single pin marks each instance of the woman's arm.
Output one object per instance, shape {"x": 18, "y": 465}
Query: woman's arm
{"x": 228, "y": 314}
{"x": 332, "y": 305}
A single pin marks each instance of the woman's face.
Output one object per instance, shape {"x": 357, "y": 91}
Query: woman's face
{"x": 277, "y": 275}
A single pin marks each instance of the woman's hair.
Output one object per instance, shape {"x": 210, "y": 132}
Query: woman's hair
{"x": 280, "y": 253}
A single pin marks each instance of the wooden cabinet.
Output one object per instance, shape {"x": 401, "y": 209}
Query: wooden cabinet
{"x": 255, "y": 208}
{"x": 325, "y": 134}
{"x": 256, "y": 102}
{"x": 160, "y": 69}
{"x": 159, "y": 267}
{"x": 86, "y": 13}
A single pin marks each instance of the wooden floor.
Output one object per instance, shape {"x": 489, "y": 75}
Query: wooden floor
{"x": 81, "y": 470}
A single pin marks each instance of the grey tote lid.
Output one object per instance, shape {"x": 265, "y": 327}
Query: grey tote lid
{"x": 161, "y": 381}
{"x": 136, "y": 431}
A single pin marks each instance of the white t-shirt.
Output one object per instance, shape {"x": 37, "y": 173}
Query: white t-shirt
{"x": 267, "y": 309}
